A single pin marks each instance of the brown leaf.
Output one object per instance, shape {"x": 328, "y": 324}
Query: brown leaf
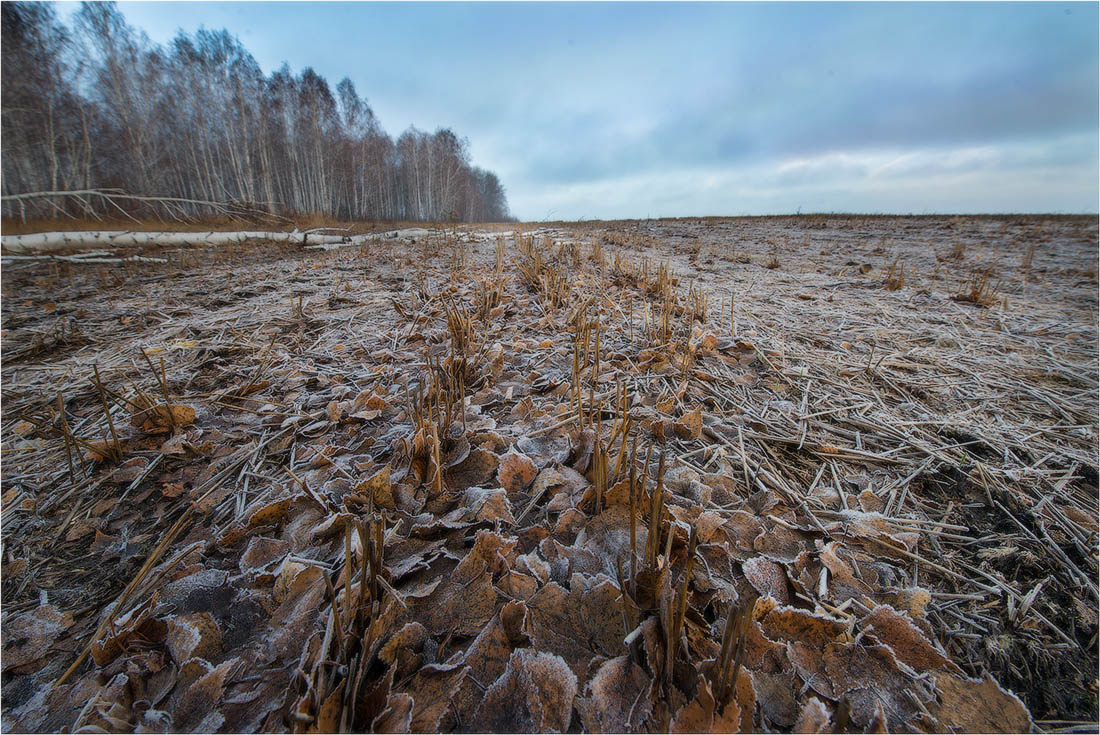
{"x": 334, "y": 411}
{"x": 791, "y": 624}
{"x": 707, "y": 345}
{"x": 534, "y": 694}
{"x": 198, "y": 707}
{"x": 458, "y": 605}
{"x": 690, "y": 425}
{"x": 813, "y": 717}
{"x": 28, "y": 637}
{"x": 972, "y": 705}
{"x": 768, "y": 578}
{"x": 697, "y": 715}
{"x": 127, "y": 472}
{"x": 781, "y": 544}
{"x": 488, "y": 505}
{"x": 396, "y": 717}
{"x": 161, "y": 419}
{"x": 1087, "y": 522}
{"x": 579, "y": 624}
{"x": 607, "y": 536}
{"x": 328, "y": 717}
{"x": 269, "y": 514}
{"x": 262, "y": 552}
{"x": 14, "y": 568}
{"x": 615, "y": 698}
{"x": 492, "y": 552}
{"x": 378, "y": 486}
{"x": 518, "y": 586}
{"x": 80, "y": 529}
{"x": 296, "y": 618}
{"x": 568, "y": 484}
{"x": 806, "y": 635}
{"x": 908, "y": 643}
{"x": 741, "y": 530}
{"x": 476, "y": 470}
{"x": 102, "y": 450}
{"x": 516, "y": 472}
{"x": 776, "y": 693}
{"x": 857, "y": 526}
{"x": 193, "y": 635}
{"x": 486, "y": 657}
{"x": 843, "y": 582}
{"x": 583, "y": 449}
{"x": 138, "y": 622}
{"x": 172, "y": 489}
{"x": 570, "y": 521}
{"x": 432, "y": 689}
{"x": 402, "y": 649}
{"x": 869, "y": 676}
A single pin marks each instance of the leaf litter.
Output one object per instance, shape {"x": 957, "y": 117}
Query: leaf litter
{"x": 600, "y": 477}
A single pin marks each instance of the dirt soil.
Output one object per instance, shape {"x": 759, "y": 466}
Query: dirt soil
{"x": 822, "y": 473}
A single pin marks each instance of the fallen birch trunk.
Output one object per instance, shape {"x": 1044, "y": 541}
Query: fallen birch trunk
{"x": 47, "y": 242}
{"x": 93, "y": 257}
{"x": 406, "y": 235}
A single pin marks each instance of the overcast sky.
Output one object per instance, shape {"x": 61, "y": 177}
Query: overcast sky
{"x": 612, "y": 110}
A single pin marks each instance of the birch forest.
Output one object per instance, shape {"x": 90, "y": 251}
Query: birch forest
{"x": 97, "y": 106}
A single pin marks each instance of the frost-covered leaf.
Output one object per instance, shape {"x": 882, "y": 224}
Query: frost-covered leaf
{"x": 584, "y": 622}
{"x": 615, "y": 698}
{"x": 908, "y": 643}
{"x": 516, "y": 472}
{"x": 28, "y": 637}
{"x": 768, "y": 578}
{"x": 978, "y": 705}
{"x": 534, "y": 694}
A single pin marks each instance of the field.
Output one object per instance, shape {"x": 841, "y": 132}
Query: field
{"x": 819, "y": 473}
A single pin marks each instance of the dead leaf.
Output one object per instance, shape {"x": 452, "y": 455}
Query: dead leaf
{"x": 487, "y": 657}
{"x": 269, "y": 514}
{"x": 261, "y": 553}
{"x": 813, "y": 717}
{"x": 334, "y": 411}
{"x": 432, "y": 688}
{"x": 516, "y": 472}
{"x": 195, "y": 635}
{"x": 475, "y": 471}
{"x": 768, "y": 578}
{"x": 396, "y": 717}
{"x": 328, "y": 717}
{"x": 296, "y": 618}
{"x": 615, "y": 698}
{"x": 102, "y": 450}
{"x": 869, "y": 676}
{"x": 690, "y": 425}
{"x": 378, "y": 486}
{"x": 28, "y": 637}
{"x": 459, "y": 605}
{"x": 973, "y": 705}
{"x": 488, "y": 505}
{"x": 534, "y": 694}
{"x": 908, "y": 643}
{"x": 584, "y": 622}
{"x": 137, "y": 623}
{"x": 197, "y": 709}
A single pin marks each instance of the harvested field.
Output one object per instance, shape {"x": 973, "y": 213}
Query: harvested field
{"x": 795, "y": 473}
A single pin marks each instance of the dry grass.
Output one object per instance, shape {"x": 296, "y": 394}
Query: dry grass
{"x": 618, "y": 445}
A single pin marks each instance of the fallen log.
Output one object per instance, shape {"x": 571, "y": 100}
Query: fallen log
{"x": 48, "y": 242}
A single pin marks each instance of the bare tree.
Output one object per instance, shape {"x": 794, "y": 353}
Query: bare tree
{"x": 103, "y": 108}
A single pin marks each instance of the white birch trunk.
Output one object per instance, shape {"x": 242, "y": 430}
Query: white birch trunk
{"x": 46, "y": 242}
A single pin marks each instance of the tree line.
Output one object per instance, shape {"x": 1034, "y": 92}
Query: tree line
{"x": 99, "y": 106}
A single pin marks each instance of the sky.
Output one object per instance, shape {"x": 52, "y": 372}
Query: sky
{"x": 635, "y": 110}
